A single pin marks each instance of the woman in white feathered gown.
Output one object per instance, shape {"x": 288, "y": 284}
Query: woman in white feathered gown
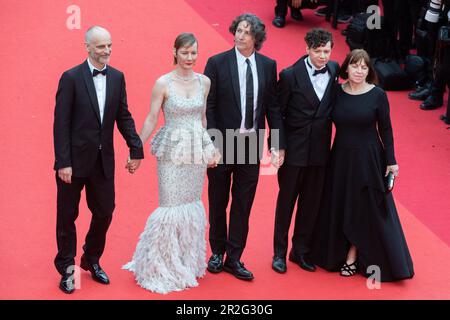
{"x": 170, "y": 254}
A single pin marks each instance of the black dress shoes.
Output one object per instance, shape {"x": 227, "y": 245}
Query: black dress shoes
{"x": 302, "y": 261}
{"x": 279, "y": 264}
{"x": 238, "y": 270}
{"x": 296, "y": 14}
{"x": 431, "y": 103}
{"x": 215, "y": 263}
{"x": 67, "y": 284}
{"x": 445, "y": 119}
{"x": 420, "y": 94}
{"x": 96, "y": 271}
{"x": 279, "y": 22}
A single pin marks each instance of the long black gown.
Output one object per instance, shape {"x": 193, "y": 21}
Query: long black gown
{"x": 356, "y": 208}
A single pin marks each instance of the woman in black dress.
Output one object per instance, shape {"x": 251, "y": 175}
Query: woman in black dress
{"x": 358, "y": 228}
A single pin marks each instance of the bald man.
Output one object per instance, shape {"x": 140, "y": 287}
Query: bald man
{"x": 91, "y": 98}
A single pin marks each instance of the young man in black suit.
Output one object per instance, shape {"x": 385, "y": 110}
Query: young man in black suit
{"x": 91, "y": 98}
{"x": 306, "y": 91}
{"x": 241, "y": 98}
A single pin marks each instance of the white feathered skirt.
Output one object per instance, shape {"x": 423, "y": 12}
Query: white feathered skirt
{"x": 170, "y": 254}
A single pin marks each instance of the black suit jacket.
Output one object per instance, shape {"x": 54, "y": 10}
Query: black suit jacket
{"x": 307, "y": 120}
{"x": 77, "y": 130}
{"x": 224, "y": 103}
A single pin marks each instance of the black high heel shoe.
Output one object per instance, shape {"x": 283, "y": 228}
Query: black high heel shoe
{"x": 348, "y": 270}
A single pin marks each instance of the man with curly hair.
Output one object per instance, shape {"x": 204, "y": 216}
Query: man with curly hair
{"x": 305, "y": 93}
{"x": 241, "y": 98}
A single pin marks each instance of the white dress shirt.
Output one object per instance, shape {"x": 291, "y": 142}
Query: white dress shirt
{"x": 319, "y": 81}
{"x": 242, "y": 71}
{"x": 100, "y": 88}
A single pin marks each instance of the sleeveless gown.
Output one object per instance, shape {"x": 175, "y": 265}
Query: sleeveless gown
{"x": 171, "y": 251}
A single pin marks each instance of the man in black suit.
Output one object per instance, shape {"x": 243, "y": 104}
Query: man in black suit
{"x": 91, "y": 98}
{"x": 241, "y": 97}
{"x": 306, "y": 92}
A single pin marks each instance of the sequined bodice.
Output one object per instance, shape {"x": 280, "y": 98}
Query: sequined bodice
{"x": 182, "y": 147}
{"x": 180, "y": 111}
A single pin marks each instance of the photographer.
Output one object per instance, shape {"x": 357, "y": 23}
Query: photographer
{"x": 435, "y": 16}
{"x": 401, "y": 17}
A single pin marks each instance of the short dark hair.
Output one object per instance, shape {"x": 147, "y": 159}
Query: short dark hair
{"x": 257, "y": 28}
{"x": 356, "y": 56}
{"x": 184, "y": 39}
{"x": 318, "y": 37}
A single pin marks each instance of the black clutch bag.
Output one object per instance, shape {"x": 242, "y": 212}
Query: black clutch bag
{"x": 389, "y": 182}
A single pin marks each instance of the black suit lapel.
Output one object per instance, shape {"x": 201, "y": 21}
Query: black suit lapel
{"x": 305, "y": 85}
{"x": 235, "y": 78}
{"x": 327, "y": 95}
{"x": 91, "y": 89}
{"x": 261, "y": 84}
{"x": 109, "y": 90}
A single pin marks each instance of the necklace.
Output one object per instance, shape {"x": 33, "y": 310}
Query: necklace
{"x": 183, "y": 78}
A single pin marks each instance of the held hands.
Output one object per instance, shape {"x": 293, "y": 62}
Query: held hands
{"x": 132, "y": 165}
{"x": 65, "y": 174}
{"x": 214, "y": 161}
{"x": 277, "y": 157}
{"x": 393, "y": 168}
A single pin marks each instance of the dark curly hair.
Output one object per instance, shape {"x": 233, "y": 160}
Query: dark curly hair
{"x": 318, "y": 37}
{"x": 257, "y": 28}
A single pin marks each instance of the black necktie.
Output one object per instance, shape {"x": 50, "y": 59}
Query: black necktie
{"x": 96, "y": 72}
{"x": 249, "y": 97}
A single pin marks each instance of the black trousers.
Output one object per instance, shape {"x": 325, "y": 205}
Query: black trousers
{"x": 447, "y": 114}
{"x": 303, "y": 185}
{"x": 100, "y": 197}
{"x": 243, "y": 179}
{"x": 444, "y": 73}
{"x": 400, "y": 20}
{"x": 441, "y": 76}
{"x": 282, "y": 7}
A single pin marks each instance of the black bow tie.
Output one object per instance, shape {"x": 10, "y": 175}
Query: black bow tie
{"x": 323, "y": 70}
{"x": 316, "y": 72}
{"x": 96, "y": 72}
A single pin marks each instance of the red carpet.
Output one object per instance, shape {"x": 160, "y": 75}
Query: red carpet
{"x": 38, "y": 48}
